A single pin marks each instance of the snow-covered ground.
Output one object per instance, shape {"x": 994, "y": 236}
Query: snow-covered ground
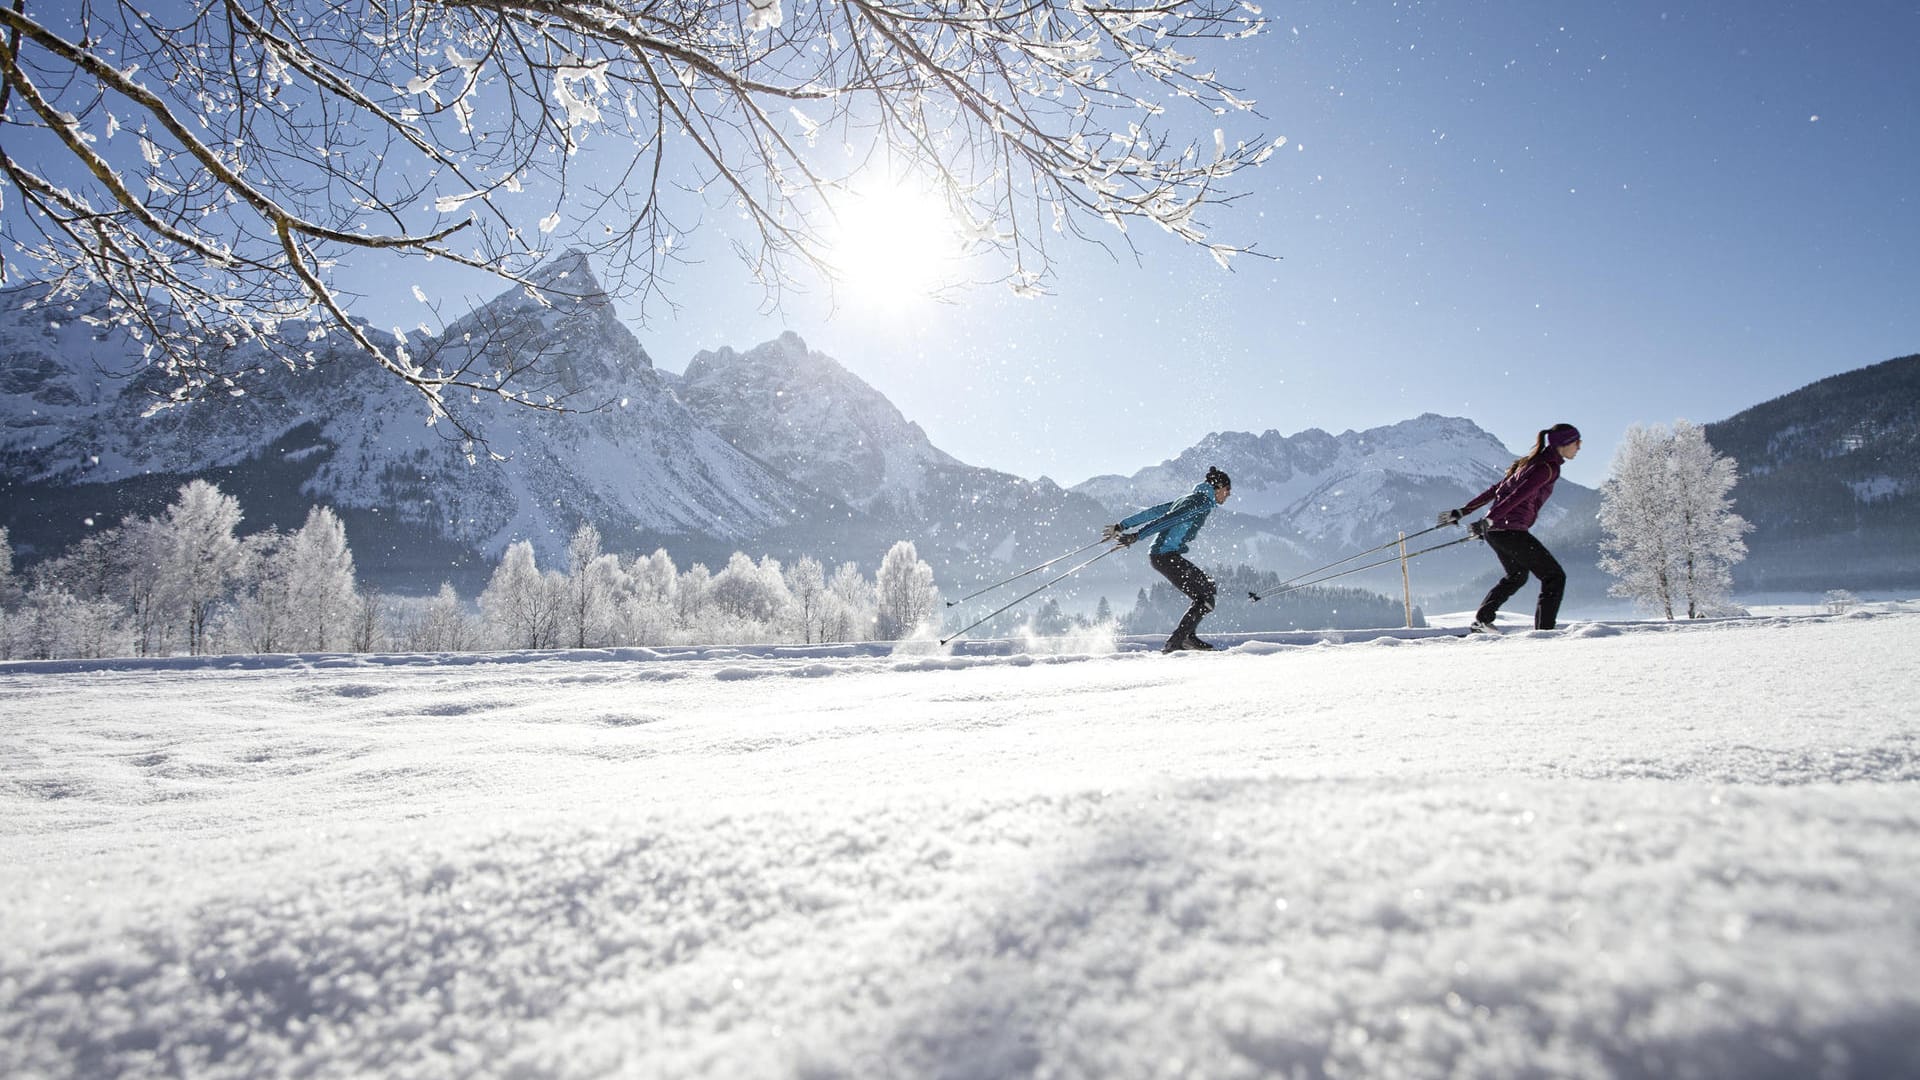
{"x": 1640, "y": 850}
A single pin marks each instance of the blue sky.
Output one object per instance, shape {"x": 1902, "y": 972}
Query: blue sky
{"x": 1603, "y": 213}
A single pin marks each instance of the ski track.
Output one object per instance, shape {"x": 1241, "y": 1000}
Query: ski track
{"x": 1617, "y": 849}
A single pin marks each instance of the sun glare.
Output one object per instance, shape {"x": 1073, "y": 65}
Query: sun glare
{"x": 892, "y": 247}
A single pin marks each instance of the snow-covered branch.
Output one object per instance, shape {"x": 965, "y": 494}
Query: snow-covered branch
{"x": 222, "y": 168}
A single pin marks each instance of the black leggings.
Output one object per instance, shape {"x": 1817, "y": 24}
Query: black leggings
{"x": 1520, "y": 554}
{"x": 1190, "y": 580}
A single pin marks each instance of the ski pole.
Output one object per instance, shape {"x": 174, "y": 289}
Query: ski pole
{"x": 1348, "y": 559}
{"x": 1292, "y": 586}
{"x": 1024, "y": 573}
{"x": 1074, "y": 569}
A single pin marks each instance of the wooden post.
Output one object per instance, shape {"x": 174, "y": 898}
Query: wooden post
{"x": 1406, "y": 584}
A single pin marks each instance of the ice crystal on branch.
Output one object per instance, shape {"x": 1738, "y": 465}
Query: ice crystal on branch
{"x": 278, "y": 138}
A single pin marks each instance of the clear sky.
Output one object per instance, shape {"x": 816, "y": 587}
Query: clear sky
{"x": 1602, "y": 213}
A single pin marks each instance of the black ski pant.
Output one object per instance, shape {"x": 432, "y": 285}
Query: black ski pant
{"x": 1190, "y": 580}
{"x": 1520, "y": 554}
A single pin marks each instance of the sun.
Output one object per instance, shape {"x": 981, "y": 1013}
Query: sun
{"x": 892, "y": 247}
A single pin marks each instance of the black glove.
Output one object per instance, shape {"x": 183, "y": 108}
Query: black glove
{"x": 1127, "y": 539}
{"x": 1450, "y": 517}
{"x": 1111, "y": 532}
{"x": 1478, "y": 530}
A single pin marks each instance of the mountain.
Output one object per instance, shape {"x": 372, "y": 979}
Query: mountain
{"x": 83, "y": 448}
{"x": 1830, "y": 480}
{"x": 841, "y": 441}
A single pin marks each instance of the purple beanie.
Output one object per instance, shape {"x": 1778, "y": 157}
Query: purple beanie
{"x": 1562, "y": 435}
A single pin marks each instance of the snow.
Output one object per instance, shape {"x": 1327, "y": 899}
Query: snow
{"x": 1617, "y": 849}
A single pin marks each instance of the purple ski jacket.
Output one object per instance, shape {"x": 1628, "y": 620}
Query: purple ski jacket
{"x": 1517, "y": 499}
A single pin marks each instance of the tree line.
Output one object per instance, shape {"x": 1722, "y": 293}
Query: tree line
{"x": 185, "y": 581}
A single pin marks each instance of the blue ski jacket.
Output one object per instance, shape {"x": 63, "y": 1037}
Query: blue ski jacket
{"x": 1176, "y": 522}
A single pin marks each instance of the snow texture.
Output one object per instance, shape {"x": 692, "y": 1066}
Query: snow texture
{"x": 1612, "y": 850}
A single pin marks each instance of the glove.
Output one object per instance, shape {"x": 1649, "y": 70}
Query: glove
{"x": 1111, "y": 532}
{"x": 1478, "y": 530}
{"x": 1127, "y": 539}
{"x": 1449, "y": 517}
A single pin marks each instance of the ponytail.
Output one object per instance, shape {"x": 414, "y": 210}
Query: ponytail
{"x": 1552, "y": 438}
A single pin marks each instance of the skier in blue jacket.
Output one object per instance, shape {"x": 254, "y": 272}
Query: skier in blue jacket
{"x": 1176, "y": 523}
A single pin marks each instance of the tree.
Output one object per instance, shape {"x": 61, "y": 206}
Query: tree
{"x": 594, "y": 580}
{"x": 321, "y": 592}
{"x": 905, "y": 592}
{"x": 263, "y": 618}
{"x": 749, "y": 591}
{"x": 201, "y": 557}
{"x": 1636, "y": 542}
{"x": 649, "y": 605}
{"x": 1049, "y": 620}
{"x": 9, "y": 587}
{"x": 849, "y": 612}
{"x": 1669, "y": 533}
{"x": 807, "y": 585}
{"x": 691, "y": 594}
{"x": 1711, "y": 534}
{"x": 516, "y": 601}
{"x": 214, "y": 172}
{"x": 139, "y": 548}
{"x": 10, "y": 596}
{"x": 370, "y": 617}
{"x": 440, "y": 625}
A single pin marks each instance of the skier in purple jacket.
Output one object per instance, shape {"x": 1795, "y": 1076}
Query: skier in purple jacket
{"x": 1516, "y": 501}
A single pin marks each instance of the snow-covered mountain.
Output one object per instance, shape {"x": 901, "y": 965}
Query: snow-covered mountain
{"x": 820, "y": 425}
{"x": 842, "y": 441}
{"x": 79, "y": 443}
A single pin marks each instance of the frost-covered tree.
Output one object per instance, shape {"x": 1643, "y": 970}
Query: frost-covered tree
{"x": 594, "y": 583}
{"x": 1712, "y": 536}
{"x": 691, "y": 594}
{"x": 9, "y": 586}
{"x": 519, "y": 603}
{"x": 1669, "y": 534}
{"x": 807, "y": 585}
{"x": 139, "y": 548}
{"x": 201, "y": 556}
{"x": 750, "y": 591}
{"x": 321, "y": 591}
{"x": 262, "y": 617}
{"x": 221, "y": 168}
{"x": 10, "y": 595}
{"x": 69, "y": 606}
{"x": 906, "y": 597}
{"x": 439, "y": 624}
{"x": 54, "y": 623}
{"x": 648, "y": 607}
{"x": 1637, "y": 540}
{"x": 849, "y": 611}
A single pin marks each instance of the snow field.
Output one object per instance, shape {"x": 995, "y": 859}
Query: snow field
{"x": 1612, "y": 850}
